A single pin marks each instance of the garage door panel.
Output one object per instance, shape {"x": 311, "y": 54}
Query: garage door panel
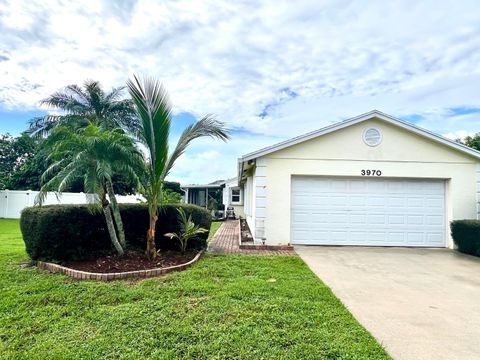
{"x": 376, "y": 219}
{"x": 377, "y": 236}
{"x": 371, "y": 212}
{"x": 396, "y": 187}
{"x": 395, "y": 238}
{"x": 376, "y": 201}
{"x": 434, "y": 220}
{"x": 301, "y": 236}
{"x": 415, "y": 238}
{"x": 302, "y": 217}
{"x": 433, "y": 187}
{"x": 339, "y": 235}
{"x": 358, "y": 185}
{"x": 302, "y": 200}
{"x": 434, "y": 202}
{"x": 398, "y": 202}
{"x": 415, "y": 202}
{"x": 434, "y": 238}
{"x": 358, "y": 219}
{"x": 376, "y": 186}
{"x": 341, "y": 185}
{"x": 357, "y": 201}
{"x": 396, "y": 219}
{"x": 415, "y": 220}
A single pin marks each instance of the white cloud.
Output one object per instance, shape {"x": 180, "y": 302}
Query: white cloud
{"x": 244, "y": 58}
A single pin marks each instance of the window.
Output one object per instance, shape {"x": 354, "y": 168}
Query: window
{"x": 235, "y": 196}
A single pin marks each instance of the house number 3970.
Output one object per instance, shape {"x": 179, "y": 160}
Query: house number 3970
{"x": 371, "y": 173}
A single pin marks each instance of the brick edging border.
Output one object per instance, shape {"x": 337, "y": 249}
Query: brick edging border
{"x": 266, "y": 247}
{"x": 84, "y": 275}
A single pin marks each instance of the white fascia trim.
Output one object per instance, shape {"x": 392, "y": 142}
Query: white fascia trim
{"x": 355, "y": 120}
{"x": 201, "y": 186}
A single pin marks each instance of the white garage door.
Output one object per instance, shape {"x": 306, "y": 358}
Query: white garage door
{"x": 370, "y": 212}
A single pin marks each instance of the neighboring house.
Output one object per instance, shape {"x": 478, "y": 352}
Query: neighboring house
{"x": 233, "y": 196}
{"x": 226, "y": 192}
{"x": 371, "y": 180}
{"x": 202, "y": 194}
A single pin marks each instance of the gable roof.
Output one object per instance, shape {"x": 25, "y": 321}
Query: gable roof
{"x": 355, "y": 120}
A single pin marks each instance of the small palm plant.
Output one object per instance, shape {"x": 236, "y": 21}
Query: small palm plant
{"x": 188, "y": 230}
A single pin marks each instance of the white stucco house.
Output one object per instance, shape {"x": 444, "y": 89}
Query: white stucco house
{"x": 371, "y": 180}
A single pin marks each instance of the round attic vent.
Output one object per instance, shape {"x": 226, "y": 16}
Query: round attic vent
{"x": 372, "y": 137}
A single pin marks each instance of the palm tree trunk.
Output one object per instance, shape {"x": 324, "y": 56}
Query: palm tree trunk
{"x": 111, "y": 229}
{"x": 116, "y": 214}
{"x": 151, "y": 252}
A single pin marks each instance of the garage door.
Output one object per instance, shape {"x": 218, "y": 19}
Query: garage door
{"x": 370, "y": 212}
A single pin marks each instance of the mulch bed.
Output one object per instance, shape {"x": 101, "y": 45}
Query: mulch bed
{"x": 131, "y": 261}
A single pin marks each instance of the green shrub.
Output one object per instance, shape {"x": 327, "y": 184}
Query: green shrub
{"x": 466, "y": 235}
{"x": 73, "y": 232}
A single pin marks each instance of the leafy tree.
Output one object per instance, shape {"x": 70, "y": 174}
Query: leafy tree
{"x": 84, "y": 105}
{"x": 28, "y": 175}
{"x": 472, "y": 141}
{"x": 188, "y": 230}
{"x": 14, "y": 153}
{"x": 173, "y": 186}
{"x": 92, "y": 154}
{"x": 171, "y": 197}
{"x": 154, "y": 112}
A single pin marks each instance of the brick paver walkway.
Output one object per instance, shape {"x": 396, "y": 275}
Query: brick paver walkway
{"x": 225, "y": 241}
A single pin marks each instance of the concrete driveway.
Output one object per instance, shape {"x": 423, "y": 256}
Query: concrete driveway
{"x": 418, "y": 303}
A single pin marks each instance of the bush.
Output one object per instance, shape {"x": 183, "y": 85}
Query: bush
{"x": 466, "y": 235}
{"x": 73, "y": 232}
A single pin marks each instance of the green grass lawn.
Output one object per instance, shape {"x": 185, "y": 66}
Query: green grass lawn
{"x": 213, "y": 229}
{"x": 224, "y": 307}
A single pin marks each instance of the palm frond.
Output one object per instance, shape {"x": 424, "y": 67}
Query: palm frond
{"x": 154, "y": 110}
{"x": 115, "y": 95}
{"x": 66, "y": 102}
{"x": 208, "y": 126}
{"x": 83, "y": 104}
{"x": 80, "y": 94}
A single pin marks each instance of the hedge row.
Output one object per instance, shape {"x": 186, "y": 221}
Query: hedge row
{"x": 466, "y": 236}
{"x": 74, "y": 232}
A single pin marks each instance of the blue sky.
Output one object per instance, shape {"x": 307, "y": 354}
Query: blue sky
{"x": 268, "y": 69}
{"x": 16, "y": 121}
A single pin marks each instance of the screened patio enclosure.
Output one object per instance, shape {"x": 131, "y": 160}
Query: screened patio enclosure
{"x": 204, "y": 195}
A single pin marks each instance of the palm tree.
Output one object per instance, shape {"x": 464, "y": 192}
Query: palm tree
{"x": 83, "y": 105}
{"x": 188, "y": 230}
{"x": 94, "y": 155}
{"x": 155, "y": 115}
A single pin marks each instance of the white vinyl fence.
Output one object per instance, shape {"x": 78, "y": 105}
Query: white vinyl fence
{"x": 12, "y": 202}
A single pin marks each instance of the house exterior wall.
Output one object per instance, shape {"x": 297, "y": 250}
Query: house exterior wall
{"x": 238, "y": 208}
{"x": 249, "y": 202}
{"x": 260, "y": 203}
{"x": 478, "y": 191}
{"x": 401, "y": 154}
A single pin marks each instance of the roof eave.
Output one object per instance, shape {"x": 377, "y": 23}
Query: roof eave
{"x": 355, "y": 120}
